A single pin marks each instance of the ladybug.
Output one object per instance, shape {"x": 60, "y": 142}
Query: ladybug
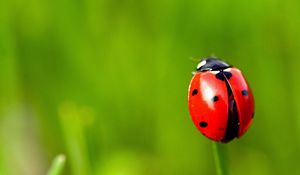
{"x": 221, "y": 103}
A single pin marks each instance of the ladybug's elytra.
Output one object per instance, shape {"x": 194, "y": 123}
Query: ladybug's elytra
{"x": 220, "y": 100}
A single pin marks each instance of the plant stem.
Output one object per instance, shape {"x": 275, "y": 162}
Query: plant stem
{"x": 220, "y": 160}
{"x": 57, "y": 165}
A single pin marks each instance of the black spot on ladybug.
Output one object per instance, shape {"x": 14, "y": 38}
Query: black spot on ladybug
{"x": 253, "y": 115}
{"x": 222, "y": 74}
{"x": 215, "y": 98}
{"x": 244, "y": 92}
{"x": 203, "y": 124}
{"x": 195, "y": 92}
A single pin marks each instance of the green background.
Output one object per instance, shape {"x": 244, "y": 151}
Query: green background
{"x": 105, "y": 83}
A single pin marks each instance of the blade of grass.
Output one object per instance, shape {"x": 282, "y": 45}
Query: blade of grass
{"x": 220, "y": 159}
{"x": 73, "y": 128}
{"x": 57, "y": 165}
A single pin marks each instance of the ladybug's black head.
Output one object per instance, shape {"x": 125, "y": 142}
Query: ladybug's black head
{"x": 210, "y": 64}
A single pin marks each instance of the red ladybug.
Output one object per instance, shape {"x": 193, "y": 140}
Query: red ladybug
{"x": 221, "y": 102}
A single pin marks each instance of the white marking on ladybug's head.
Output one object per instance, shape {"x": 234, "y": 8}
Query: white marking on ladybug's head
{"x": 228, "y": 69}
{"x": 214, "y": 72}
{"x": 202, "y": 63}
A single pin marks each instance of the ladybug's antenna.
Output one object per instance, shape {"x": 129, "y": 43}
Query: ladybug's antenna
{"x": 212, "y": 55}
{"x": 195, "y": 59}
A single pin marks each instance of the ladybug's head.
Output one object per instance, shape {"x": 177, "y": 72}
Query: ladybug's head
{"x": 211, "y": 64}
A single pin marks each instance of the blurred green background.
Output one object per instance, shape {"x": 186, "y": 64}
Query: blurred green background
{"x": 105, "y": 83}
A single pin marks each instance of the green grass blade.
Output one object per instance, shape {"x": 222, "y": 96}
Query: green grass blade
{"x": 220, "y": 160}
{"x": 57, "y": 165}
